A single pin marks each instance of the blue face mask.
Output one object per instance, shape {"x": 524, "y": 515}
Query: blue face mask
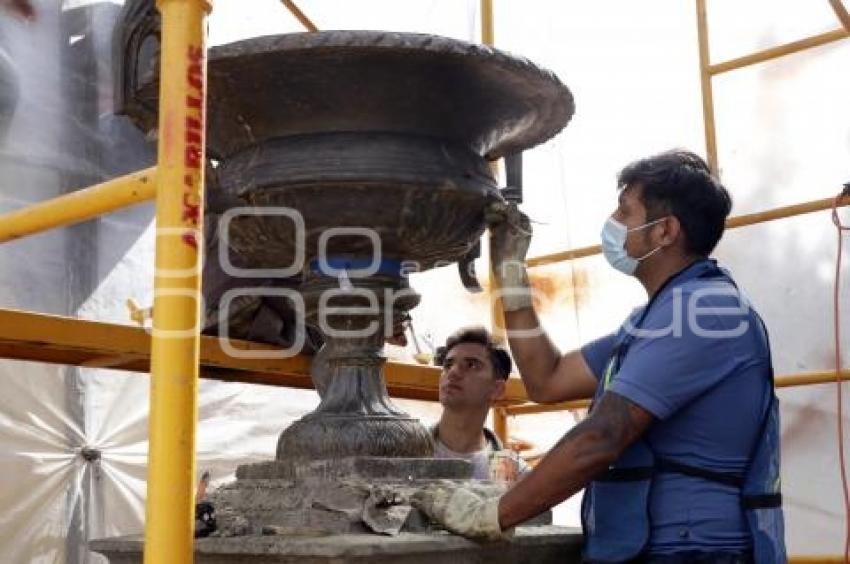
{"x": 614, "y": 236}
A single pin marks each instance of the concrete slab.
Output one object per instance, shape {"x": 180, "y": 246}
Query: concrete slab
{"x": 530, "y": 545}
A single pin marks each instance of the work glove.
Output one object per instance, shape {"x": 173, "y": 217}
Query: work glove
{"x": 461, "y": 511}
{"x": 510, "y": 236}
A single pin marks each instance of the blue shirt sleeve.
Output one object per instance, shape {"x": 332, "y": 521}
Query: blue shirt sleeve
{"x": 597, "y": 354}
{"x": 678, "y": 356}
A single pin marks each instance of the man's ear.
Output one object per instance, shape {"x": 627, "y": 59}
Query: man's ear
{"x": 672, "y": 230}
{"x": 498, "y": 390}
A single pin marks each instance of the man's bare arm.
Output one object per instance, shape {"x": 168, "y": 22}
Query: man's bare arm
{"x": 586, "y": 450}
{"x": 548, "y": 375}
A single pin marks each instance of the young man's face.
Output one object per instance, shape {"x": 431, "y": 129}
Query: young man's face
{"x": 632, "y": 213}
{"x": 468, "y": 379}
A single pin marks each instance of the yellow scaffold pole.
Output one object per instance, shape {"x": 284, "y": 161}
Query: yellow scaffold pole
{"x": 177, "y": 284}
{"x": 80, "y": 205}
{"x": 706, "y": 87}
{"x": 497, "y": 316}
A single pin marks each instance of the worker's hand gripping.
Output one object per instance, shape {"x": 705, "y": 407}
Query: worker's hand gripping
{"x": 510, "y": 231}
{"x": 461, "y": 511}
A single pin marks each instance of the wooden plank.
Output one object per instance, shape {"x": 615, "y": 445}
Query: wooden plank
{"x": 55, "y": 339}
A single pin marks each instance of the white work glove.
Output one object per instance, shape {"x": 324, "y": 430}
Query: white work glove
{"x": 510, "y": 236}
{"x": 461, "y": 511}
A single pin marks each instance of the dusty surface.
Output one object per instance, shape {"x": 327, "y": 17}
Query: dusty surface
{"x": 321, "y": 516}
{"x": 367, "y": 468}
{"x": 531, "y": 545}
{"x": 323, "y": 507}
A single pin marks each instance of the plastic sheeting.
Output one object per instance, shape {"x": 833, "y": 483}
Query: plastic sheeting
{"x": 784, "y": 137}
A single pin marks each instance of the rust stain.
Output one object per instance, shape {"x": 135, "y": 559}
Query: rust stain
{"x": 555, "y": 287}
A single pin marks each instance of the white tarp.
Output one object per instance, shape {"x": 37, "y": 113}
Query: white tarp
{"x": 783, "y": 134}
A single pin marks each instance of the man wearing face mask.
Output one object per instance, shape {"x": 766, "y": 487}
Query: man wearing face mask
{"x": 679, "y": 455}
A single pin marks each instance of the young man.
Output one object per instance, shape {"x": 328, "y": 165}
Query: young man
{"x": 474, "y": 372}
{"x": 680, "y": 452}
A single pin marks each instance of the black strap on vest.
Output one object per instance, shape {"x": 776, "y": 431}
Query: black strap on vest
{"x": 765, "y": 501}
{"x": 638, "y": 473}
{"x": 726, "y": 478}
{"x": 634, "y": 474}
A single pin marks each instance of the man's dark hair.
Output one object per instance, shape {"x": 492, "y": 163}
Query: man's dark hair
{"x": 679, "y": 183}
{"x": 499, "y": 357}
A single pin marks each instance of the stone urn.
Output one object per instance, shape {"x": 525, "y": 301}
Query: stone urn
{"x": 340, "y": 161}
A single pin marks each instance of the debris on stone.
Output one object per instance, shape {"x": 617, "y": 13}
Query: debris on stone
{"x": 386, "y": 510}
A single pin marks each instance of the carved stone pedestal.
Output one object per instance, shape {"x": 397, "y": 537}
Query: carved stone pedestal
{"x": 348, "y": 495}
{"x": 355, "y": 416}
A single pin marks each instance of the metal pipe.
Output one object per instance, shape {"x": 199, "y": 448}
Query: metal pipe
{"x": 500, "y": 424}
{"x": 63, "y": 340}
{"x": 779, "y": 51}
{"x": 175, "y": 343}
{"x": 790, "y": 380}
{"x": 532, "y": 408}
{"x": 488, "y": 36}
{"x": 817, "y": 559}
{"x": 841, "y": 13}
{"x": 561, "y": 256}
{"x": 809, "y": 378}
{"x": 497, "y": 315}
{"x": 784, "y": 211}
{"x": 299, "y": 15}
{"x": 80, "y": 205}
{"x": 731, "y": 223}
{"x": 705, "y": 85}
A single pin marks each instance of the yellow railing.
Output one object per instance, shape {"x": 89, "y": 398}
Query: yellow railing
{"x": 731, "y": 223}
{"x": 79, "y": 205}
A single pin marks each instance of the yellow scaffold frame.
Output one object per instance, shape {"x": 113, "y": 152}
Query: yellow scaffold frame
{"x": 175, "y": 353}
{"x": 707, "y": 72}
{"x": 177, "y": 183}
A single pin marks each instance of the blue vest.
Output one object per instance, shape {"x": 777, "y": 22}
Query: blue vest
{"x": 615, "y": 507}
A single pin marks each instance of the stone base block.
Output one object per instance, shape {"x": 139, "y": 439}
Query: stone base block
{"x": 530, "y": 545}
{"x": 359, "y": 468}
{"x": 348, "y": 495}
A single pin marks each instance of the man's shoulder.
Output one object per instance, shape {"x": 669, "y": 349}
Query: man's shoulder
{"x": 707, "y": 307}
